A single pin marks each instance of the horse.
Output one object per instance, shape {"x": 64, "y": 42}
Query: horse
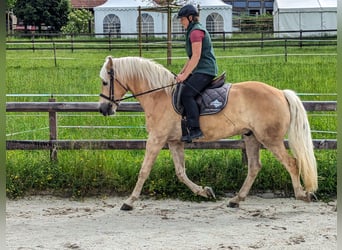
{"x": 261, "y": 113}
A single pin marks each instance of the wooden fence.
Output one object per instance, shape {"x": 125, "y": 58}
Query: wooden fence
{"x": 54, "y": 144}
{"x": 147, "y": 41}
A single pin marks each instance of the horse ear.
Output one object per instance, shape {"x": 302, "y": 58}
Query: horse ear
{"x": 109, "y": 64}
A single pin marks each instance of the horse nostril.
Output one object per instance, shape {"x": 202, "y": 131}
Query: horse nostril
{"x": 104, "y": 109}
{"x": 110, "y": 110}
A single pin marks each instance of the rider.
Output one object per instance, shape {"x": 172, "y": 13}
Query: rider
{"x": 198, "y": 71}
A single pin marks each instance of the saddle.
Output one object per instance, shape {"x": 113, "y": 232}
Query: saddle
{"x": 210, "y": 101}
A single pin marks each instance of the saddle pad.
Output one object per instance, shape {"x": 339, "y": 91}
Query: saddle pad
{"x": 210, "y": 101}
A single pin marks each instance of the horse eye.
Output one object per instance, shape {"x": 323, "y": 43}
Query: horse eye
{"x": 104, "y": 83}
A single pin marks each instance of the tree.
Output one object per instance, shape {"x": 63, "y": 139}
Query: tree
{"x": 172, "y": 2}
{"x": 78, "y": 22}
{"x": 52, "y": 13}
{"x": 10, "y": 4}
{"x": 168, "y": 6}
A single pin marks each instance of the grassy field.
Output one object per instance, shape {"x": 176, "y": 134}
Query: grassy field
{"x": 80, "y": 173}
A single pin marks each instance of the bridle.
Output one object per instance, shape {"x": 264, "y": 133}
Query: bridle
{"x": 111, "y": 97}
{"x": 111, "y": 88}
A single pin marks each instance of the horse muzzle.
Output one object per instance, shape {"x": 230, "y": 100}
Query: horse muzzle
{"x": 106, "y": 109}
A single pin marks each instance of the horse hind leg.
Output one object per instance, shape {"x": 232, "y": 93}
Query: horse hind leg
{"x": 290, "y": 165}
{"x": 254, "y": 165}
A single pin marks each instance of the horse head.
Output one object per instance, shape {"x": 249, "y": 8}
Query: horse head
{"x": 138, "y": 75}
{"x": 110, "y": 99}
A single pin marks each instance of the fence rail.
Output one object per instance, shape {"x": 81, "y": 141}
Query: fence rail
{"x": 53, "y": 144}
{"x": 310, "y": 106}
{"x": 137, "y": 144}
{"x": 111, "y": 41}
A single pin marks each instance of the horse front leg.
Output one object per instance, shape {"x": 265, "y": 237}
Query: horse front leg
{"x": 177, "y": 151}
{"x": 153, "y": 147}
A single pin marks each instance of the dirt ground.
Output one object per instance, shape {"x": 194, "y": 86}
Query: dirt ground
{"x": 46, "y": 222}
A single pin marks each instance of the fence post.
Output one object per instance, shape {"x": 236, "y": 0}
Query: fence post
{"x": 146, "y": 35}
{"x": 244, "y": 158}
{"x": 54, "y": 53}
{"x": 32, "y": 41}
{"x": 72, "y": 42}
{"x": 140, "y": 32}
{"x": 109, "y": 41}
{"x": 224, "y": 40}
{"x": 53, "y": 132}
{"x": 285, "y": 49}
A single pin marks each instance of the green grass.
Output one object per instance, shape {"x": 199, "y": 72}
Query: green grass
{"x": 87, "y": 172}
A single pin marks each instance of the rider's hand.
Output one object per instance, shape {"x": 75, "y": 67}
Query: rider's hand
{"x": 181, "y": 77}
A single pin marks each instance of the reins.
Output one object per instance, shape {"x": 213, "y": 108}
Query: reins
{"x": 111, "y": 90}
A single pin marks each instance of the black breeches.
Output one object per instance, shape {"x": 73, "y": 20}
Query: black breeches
{"x": 193, "y": 86}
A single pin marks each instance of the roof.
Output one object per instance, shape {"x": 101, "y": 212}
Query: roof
{"x": 307, "y": 4}
{"x": 145, "y": 3}
{"x": 87, "y": 4}
{"x": 209, "y": 3}
{"x": 126, "y": 3}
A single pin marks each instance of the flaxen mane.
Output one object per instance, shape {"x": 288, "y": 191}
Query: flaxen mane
{"x": 144, "y": 69}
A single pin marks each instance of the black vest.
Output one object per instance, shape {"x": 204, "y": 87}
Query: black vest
{"x": 207, "y": 63}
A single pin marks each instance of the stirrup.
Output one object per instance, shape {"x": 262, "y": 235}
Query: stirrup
{"x": 195, "y": 133}
{"x": 186, "y": 138}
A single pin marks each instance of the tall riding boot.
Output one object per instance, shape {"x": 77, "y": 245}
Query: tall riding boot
{"x": 185, "y": 131}
{"x": 195, "y": 133}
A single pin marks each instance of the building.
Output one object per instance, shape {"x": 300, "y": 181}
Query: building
{"x": 291, "y": 16}
{"x": 86, "y": 4}
{"x": 121, "y": 17}
{"x": 251, "y": 7}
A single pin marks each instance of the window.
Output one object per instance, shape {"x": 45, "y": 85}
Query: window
{"x": 254, "y": 4}
{"x": 268, "y": 5}
{"x": 177, "y": 27}
{"x": 111, "y": 24}
{"x": 240, "y": 4}
{"x": 214, "y": 23}
{"x": 254, "y": 12}
{"x": 147, "y": 23}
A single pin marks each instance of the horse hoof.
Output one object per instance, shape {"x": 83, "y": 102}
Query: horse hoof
{"x": 312, "y": 197}
{"x": 233, "y": 204}
{"x": 210, "y": 192}
{"x": 126, "y": 207}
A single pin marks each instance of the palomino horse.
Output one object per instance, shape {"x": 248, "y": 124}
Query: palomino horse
{"x": 262, "y": 112}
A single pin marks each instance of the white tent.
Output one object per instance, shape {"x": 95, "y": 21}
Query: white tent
{"x": 215, "y": 15}
{"x": 120, "y": 17}
{"x": 294, "y": 15}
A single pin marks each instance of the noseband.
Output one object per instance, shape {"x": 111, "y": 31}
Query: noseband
{"x": 111, "y": 89}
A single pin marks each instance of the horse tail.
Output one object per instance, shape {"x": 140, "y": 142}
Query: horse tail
{"x": 300, "y": 141}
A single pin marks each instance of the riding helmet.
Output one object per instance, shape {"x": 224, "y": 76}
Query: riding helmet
{"x": 187, "y": 10}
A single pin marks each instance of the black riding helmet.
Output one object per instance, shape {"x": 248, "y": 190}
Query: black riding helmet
{"x": 187, "y": 10}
